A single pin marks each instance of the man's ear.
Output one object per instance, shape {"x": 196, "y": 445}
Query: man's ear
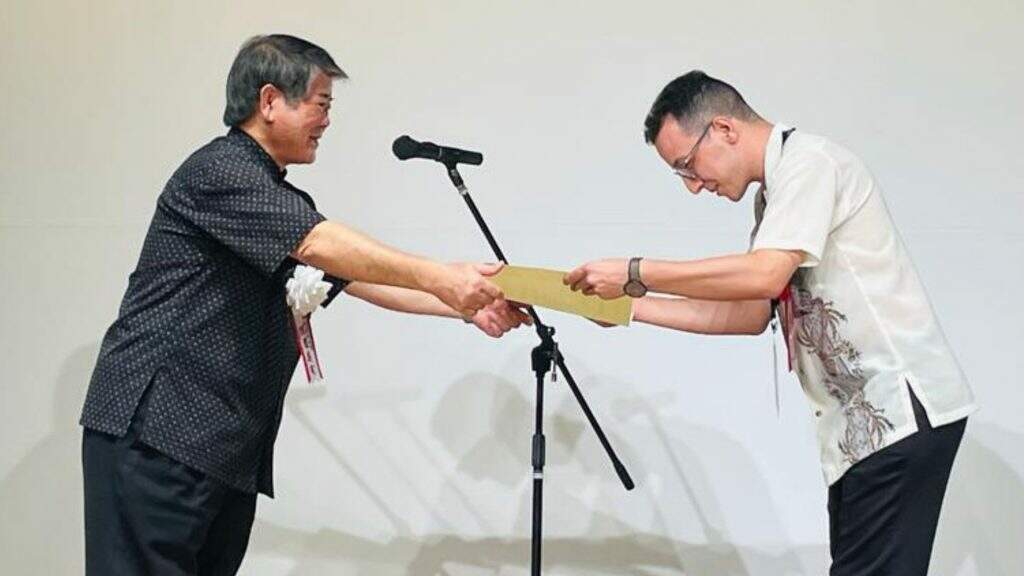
{"x": 271, "y": 99}
{"x": 726, "y": 125}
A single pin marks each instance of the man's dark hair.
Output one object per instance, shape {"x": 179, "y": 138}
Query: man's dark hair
{"x": 284, "y": 61}
{"x": 693, "y": 99}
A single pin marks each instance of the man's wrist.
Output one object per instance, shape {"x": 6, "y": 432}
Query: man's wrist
{"x": 430, "y": 276}
{"x": 639, "y": 309}
{"x": 651, "y": 271}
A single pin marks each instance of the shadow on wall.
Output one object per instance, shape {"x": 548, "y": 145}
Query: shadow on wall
{"x": 334, "y": 552}
{"x": 489, "y": 446}
{"x": 41, "y": 496}
{"x": 982, "y": 526}
{"x": 979, "y": 534}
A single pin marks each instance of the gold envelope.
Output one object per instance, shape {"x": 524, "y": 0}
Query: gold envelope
{"x": 541, "y": 287}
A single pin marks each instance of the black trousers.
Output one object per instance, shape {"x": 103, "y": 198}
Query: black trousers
{"x": 884, "y": 510}
{"x": 146, "y": 513}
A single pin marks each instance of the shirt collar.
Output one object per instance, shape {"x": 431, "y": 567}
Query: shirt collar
{"x": 249, "y": 144}
{"x": 772, "y": 154}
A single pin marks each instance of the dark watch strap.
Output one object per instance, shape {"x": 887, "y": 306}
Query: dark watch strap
{"x": 634, "y": 269}
{"x": 634, "y": 287}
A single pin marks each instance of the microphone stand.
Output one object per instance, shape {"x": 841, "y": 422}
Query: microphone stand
{"x": 544, "y": 357}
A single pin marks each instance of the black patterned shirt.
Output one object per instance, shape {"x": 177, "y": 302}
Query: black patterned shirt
{"x": 204, "y": 324}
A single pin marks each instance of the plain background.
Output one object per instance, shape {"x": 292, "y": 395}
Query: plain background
{"x": 414, "y": 458}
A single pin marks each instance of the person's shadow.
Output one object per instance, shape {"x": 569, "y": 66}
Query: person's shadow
{"x": 41, "y": 497}
{"x": 491, "y": 445}
{"x": 982, "y": 523}
{"x": 980, "y": 530}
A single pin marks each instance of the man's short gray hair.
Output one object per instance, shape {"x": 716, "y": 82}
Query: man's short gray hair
{"x": 286, "y": 62}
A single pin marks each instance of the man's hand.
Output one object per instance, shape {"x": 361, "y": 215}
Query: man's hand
{"x": 605, "y": 278}
{"x": 499, "y": 317}
{"x": 464, "y": 287}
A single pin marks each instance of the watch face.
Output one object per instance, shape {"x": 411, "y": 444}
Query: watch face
{"x": 634, "y": 289}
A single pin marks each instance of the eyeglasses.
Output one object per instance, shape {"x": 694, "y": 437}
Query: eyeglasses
{"x": 682, "y": 166}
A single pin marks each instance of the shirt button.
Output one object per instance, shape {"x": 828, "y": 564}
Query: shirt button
{"x": 817, "y": 413}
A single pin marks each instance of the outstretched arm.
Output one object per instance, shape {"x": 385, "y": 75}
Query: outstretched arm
{"x": 758, "y": 275}
{"x": 495, "y": 319}
{"x": 346, "y": 253}
{"x": 704, "y": 316}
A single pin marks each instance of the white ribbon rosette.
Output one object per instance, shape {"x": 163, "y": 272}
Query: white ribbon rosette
{"x": 305, "y": 291}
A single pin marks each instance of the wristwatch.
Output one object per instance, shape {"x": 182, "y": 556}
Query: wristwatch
{"x": 634, "y": 287}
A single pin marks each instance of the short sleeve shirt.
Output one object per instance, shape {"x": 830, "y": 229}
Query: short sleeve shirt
{"x": 858, "y": 322}
{"x": 204, "y": 325}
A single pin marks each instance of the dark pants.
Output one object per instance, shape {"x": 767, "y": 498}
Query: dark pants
{"x": 146, "y": 513}
{"x": 884, "y": 510}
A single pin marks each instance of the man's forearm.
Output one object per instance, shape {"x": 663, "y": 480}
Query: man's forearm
{"x": 754, "y": 276}
{"x": 704, "y": 316}
{"x": 346, "y": 253}
{"x": 400, "y": 299}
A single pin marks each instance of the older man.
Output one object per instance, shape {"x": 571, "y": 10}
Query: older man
{"x": 186, "y": 398}
{"x": 889, "y": 399}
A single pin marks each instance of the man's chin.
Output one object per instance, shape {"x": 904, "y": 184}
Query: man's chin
{"x": 725, "y": 195}
{"x": 308, "y": 158}
{"x": 735, "y": 196}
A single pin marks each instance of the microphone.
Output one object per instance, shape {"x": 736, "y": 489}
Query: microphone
{"x": 405, "y": 147}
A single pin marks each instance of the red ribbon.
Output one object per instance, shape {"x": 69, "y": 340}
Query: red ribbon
{"x": 788, "y": 313}
{"x": 303, "y": 330}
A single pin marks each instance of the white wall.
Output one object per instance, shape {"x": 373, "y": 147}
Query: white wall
{"x": 415, "y": 458}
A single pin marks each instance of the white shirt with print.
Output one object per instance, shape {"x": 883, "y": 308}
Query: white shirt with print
{"x": 860, "y": 326}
